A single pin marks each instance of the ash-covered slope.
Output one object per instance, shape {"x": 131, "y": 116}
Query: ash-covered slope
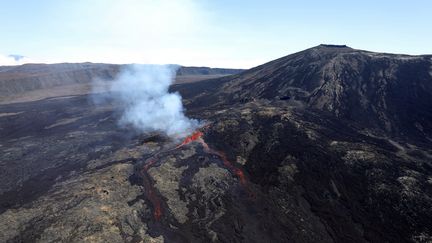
{"x": 206, "y": 71}
{"x": 332, "y": 133}
{"x": 283, "y": 159}
{"x": 15, "y": 80}
{"x": 388, "y": 92}
{"x": 19, "y": 79}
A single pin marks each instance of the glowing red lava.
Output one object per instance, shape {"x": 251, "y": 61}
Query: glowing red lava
{"x": 237, "y": 171}
{"x": 198, "y": 137}
{"x": 158, "y": 212}
{"x": 150, "y": 191}
{"x": 195, "y": 136}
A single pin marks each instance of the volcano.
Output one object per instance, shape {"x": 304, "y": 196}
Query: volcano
{"x": 330, "y": 144}
{"x": 385, "y": 92}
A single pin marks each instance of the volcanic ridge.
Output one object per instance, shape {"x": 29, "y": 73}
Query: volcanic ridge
{"x": 330, "y": 144}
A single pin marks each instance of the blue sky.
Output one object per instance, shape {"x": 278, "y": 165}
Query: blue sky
{"x": 218, "y": 33}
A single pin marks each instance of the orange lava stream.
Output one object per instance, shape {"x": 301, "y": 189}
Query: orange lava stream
{"x": 149, "y": 190}
{"x": 195, "y": 136}
{"x": 237, "y": 171}
{"x": 198, "y": 137}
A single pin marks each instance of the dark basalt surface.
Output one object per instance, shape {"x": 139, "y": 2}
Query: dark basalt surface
{"x": 386, "y": 92}
{"x": 334, "y": 143}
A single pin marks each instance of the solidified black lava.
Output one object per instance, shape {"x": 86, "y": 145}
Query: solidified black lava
{"x": 335, "y": 144}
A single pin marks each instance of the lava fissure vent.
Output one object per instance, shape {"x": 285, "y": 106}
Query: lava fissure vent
{"x": 197, "y": 136}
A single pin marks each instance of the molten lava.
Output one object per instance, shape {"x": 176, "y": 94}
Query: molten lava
{"x": 236, "y": 171}
{"x": 198, "y": 137}
{"x": 150, "y": 191}
{"x": 195, "y": 136}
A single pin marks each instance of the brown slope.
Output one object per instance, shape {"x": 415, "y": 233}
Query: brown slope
{"x": 30, "y": 82}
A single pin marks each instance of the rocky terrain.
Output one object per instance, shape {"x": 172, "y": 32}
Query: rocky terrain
{"x": 330, "y": 144}
{"x": 31, "y": 82}
{"x": 386, "y": 92}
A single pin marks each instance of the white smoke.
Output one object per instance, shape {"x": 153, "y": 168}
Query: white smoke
{"x": 148, "y": 106}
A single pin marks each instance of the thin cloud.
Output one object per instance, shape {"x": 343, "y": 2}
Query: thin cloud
{"x": 13, "y": 59}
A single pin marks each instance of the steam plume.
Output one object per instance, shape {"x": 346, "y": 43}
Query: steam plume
{"x": 148, "y": 106}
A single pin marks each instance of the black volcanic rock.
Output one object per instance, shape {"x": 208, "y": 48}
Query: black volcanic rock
{"x": 388, "y": 92}
{"x": 355, "y": 125}
{"x": 330, "y": 144}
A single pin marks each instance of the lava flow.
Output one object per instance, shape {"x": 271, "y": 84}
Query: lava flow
{"x": 150, "y": 191}
{"x": 198, "y": 137}
{"x": 195, "y": 136}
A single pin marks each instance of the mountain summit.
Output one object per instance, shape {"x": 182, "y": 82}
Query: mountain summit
{"x": 330, "y": 144}
{"x": 390, "y": 93}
